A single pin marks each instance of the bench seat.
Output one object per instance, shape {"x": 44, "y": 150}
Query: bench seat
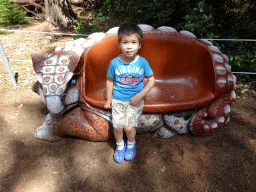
{"x": 182, "y": 67}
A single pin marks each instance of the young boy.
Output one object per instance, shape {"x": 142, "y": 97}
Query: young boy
{"x": 125, "y": 90}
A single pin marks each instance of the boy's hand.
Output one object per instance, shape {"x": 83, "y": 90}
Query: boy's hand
{"x": 107, "y": 104}
{"x": 135, "y": 100}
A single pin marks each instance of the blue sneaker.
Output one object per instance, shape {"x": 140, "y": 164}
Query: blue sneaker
{"x": 130, "y": 153}
{"x": 119, "y": 154}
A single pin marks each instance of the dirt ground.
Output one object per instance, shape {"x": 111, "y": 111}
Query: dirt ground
{"x": 225, "y": 161}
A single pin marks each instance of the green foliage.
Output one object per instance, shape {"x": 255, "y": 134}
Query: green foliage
{"x": 180, "y": 14}
{"x": 205, "y": 18}
{"x": 234, "y": 19}
{"x": 81, "y": 27}
{"x": 11, "y": 14}
{"x": 120, "y": 10}
{"x": 158, "y": 13}
{"x": 153, "y": 12}
{"x": 3, "y": 32}
{"x": 97, "y": 25}
{"x": 237, "y": 20}
{"x": 199, "y": 20}
{"x": 242, "y": 57}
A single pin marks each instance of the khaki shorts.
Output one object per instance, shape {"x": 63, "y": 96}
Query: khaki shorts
{"x": 124, "y": 114}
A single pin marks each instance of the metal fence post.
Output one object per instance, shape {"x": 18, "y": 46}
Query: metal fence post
{"x": 5, "y": 59}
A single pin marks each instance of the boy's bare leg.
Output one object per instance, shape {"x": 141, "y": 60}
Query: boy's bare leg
{"x": 118, "y": 133}
{"x": 130, "y": 133}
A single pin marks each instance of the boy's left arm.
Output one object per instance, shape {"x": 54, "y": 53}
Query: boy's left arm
{"x": 135, "y": 100}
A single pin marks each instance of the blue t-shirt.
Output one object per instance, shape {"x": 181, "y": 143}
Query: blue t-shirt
{"x": 128, "y": 78}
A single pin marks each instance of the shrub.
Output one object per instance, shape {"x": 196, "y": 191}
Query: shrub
{"x": 242, "y": 58}
{"x": 82, "y": 27}
{"x": 11, "y": 14}
{"x": 206, "y": 19}
{"x": 199, "y": 20}
{"x": 153, "y": 12}
{"x": 234, "y": 19}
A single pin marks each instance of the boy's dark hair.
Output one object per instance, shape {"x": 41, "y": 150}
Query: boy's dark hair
{"x": 129, "y": 29}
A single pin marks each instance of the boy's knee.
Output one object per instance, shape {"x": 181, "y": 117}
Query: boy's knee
{"x": 129, "y": 128}
{"x": 118, "y": 130}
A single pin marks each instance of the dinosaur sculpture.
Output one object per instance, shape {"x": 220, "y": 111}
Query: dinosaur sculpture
{"x": 193, "y": 92}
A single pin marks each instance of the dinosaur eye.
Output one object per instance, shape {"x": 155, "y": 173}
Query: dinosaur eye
{"x": 73, "y": 82}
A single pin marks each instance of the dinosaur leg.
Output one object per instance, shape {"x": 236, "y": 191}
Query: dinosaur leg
{"x": 149, "y": 123}
{"x": 164, "y": 132}
{"x": 210, "y": 119}
{"x": 153, "y": 123}
{"x": 85, "y": 125}
{"x": 178, "y": 121}
{"x": 45, "y": 131}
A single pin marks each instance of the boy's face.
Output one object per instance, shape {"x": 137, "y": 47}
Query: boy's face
{"x": 129, "y": 46}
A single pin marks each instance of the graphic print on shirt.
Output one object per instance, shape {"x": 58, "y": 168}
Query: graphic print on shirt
{"x": 129, "y": 80}
{"x": 127, "y": 75}
{"x": 129, "y": 69}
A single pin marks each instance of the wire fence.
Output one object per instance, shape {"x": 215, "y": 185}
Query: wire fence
{"x": 86, "y": 35}
{"x": 231, "y": 39}
{"x": 40, "y": 32}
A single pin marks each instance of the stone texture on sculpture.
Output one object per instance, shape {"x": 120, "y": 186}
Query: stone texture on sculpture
{"x": 193, "y": 92}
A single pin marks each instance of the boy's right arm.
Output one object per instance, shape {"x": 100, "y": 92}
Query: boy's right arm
{"x": 110, "y": 86}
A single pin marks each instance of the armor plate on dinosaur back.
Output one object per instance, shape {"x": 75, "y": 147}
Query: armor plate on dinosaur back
{"x": 192, "y": 94}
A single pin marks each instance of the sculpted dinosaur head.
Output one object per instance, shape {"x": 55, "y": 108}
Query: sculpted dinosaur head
{"x": 56, "y": 83}
{"x": 54, "y": 74}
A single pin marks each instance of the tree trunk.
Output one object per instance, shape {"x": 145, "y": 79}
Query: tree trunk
{"x": 59, "y": 12}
